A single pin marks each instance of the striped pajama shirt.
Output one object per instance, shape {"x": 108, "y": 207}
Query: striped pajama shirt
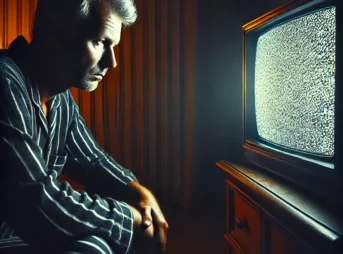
{"x": 35, "y": 207}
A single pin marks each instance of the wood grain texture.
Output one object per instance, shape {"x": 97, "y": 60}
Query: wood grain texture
{"x": 314, "y": 226}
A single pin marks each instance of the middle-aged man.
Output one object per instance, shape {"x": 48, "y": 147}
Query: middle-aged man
{"x": 42, "y": 134}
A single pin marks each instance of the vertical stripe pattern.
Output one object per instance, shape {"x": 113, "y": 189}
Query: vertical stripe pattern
{"x": 35, "y": 150}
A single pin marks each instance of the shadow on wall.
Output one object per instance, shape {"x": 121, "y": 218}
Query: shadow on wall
{"x": 218, "y": 88}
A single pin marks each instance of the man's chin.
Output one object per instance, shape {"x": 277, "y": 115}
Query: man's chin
{"x": 88, "y": 86}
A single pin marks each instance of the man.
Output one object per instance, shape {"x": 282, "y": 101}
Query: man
{"x": 43, "y": 134}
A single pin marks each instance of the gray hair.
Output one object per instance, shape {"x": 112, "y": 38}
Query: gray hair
{"x": 58, "y": 14}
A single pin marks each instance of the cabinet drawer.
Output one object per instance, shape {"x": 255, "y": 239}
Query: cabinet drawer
{"x": 244, "y": 222}
{"x": 278, "y": 241}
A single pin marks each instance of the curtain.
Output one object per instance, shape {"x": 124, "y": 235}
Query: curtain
{"x": 142, "y": 111}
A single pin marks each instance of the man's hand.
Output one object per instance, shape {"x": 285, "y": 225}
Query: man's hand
{"x": 151, "y": 215}
{"x": 143, "y": 237}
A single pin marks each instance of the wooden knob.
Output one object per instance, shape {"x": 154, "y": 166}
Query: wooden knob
{"x": 242, "y": 223}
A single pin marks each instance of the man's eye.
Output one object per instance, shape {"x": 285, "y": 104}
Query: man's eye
{"x": 98, "y": 42}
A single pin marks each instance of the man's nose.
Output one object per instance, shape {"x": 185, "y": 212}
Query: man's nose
{"x": 109, "y": 59}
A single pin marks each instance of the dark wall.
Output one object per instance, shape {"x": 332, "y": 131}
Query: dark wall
{"x": 218, "y": 89}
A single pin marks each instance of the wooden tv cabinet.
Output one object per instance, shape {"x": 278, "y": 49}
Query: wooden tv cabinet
{"x": 267, "y": 215}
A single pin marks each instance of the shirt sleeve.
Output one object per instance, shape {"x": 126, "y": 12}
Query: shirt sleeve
{"x": 43, "y": 211}
{"x": 89, "y": 164}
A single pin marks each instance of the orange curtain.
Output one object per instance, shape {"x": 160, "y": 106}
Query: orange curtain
{"x": 142, "y": 112}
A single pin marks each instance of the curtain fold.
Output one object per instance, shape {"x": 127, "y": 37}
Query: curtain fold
{"x": 142, "y": 112}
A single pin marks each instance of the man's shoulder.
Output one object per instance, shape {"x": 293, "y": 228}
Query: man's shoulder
{"x": 5, "y": 61}
{"x": 11, "y": 73}
{"x": 14, "y": 59}
{"x": 8, "y": 66}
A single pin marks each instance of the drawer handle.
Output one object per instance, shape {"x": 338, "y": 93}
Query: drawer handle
{"x": 242, "y": 223}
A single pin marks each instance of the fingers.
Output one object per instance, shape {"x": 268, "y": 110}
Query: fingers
{"x": 146, "y": 216}
{"x": 162, "y": 234}
{"x": 161, "y": 229}
{"x": 163, "y": 247}
{"x": 149, "y": 231}
{"x": 137, "y": 217}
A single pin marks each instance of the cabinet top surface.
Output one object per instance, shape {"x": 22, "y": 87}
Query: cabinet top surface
{"x": 282, "y": 193}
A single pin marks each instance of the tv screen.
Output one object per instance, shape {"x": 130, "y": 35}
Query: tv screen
{"x": 293, "y": 94}
{"x": 295, "y": 83}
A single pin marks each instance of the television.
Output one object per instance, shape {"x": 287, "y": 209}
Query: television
{"x": 293, "y": 94}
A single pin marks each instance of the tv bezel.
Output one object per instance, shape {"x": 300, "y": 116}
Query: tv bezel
{"x": 319, "y": 174}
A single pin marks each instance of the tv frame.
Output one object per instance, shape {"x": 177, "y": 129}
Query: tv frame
{"x": 323, "y": 176}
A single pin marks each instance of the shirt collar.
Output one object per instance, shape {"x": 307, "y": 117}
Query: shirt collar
{"x": 51, "y": 104}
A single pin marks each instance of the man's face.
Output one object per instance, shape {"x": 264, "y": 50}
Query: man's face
{"x": 92, "y": 52}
